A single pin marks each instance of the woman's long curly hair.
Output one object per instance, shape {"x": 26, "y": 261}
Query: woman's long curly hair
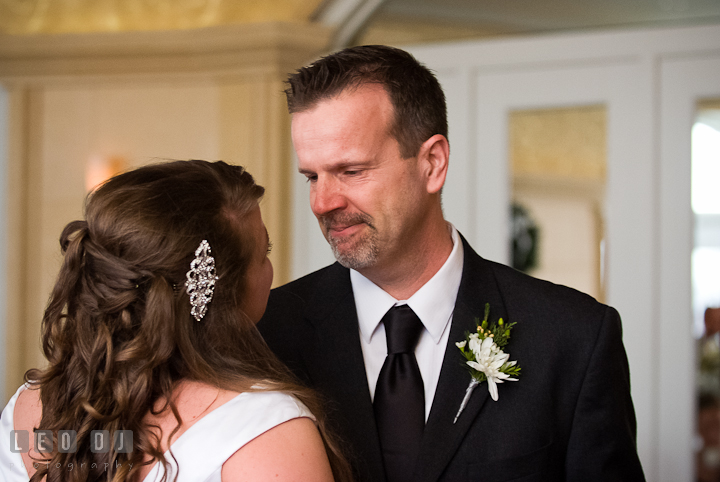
{"x": 118, "y": 333}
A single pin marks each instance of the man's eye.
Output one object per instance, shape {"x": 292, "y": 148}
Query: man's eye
{"x": 310, "y": 178}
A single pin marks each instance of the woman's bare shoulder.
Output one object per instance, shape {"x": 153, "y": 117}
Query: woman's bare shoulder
{"x": 28, "y": 409}
{"x": 291, "y": 451}
{"x": 27, "y": 416}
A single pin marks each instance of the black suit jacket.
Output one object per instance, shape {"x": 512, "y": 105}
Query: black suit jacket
{"x": 569, "y": 417}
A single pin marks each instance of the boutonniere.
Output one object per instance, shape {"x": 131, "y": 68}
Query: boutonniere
{"x": 485, "y": 357}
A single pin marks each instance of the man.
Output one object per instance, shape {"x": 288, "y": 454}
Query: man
{"x": 370, "y": 131}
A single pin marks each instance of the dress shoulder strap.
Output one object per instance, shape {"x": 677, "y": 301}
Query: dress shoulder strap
{"x": 12, "y": 467}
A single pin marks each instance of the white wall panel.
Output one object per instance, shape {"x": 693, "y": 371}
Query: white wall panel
{"x": 685, "y": 79}
{"x": 647, "y": 209}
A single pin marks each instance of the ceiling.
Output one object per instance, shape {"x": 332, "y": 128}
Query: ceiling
{"x": 357, "y": 21}
{"x": 451, "y": 19}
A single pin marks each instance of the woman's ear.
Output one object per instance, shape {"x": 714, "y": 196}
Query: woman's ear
{"x": 433, "y": 156}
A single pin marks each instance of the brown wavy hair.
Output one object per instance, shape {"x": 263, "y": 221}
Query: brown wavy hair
{"x": 118, "y": 333}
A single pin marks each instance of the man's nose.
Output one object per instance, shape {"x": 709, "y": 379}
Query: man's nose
{"x": 325, "y": 197}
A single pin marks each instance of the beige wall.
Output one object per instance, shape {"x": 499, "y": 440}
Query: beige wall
{"x": 570, "y": 233}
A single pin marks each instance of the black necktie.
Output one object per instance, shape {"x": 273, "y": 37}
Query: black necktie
{"x": 399, "y": 395}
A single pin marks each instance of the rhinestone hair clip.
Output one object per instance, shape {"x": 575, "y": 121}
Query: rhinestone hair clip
{"x": 201, "y": 279}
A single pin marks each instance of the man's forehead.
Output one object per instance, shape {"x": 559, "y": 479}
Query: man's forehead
{"x": 368, "y": 93}
{"x": 361, "y": 113}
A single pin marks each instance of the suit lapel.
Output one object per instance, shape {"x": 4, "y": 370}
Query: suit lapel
{"x": 336, "y": 368}
{"x": 442, "y": 438}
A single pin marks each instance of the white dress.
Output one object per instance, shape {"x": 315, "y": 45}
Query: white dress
{"x": 202, "y": 450}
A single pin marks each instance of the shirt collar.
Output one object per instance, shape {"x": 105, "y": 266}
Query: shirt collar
{"x": 434, "y": 302}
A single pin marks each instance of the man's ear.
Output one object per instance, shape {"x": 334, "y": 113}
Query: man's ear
{"x": 433, "y": 157}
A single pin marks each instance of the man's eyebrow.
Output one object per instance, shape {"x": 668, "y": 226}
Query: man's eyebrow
{"x": 340, "y": 166}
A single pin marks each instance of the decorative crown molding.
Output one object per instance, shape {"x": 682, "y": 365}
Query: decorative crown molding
{"x": 229, "y": 49}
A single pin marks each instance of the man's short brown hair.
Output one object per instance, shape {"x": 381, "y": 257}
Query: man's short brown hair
{"x": 417, "y": 98}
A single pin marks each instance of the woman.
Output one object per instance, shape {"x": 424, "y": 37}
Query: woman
{"x": 150, "y": 330}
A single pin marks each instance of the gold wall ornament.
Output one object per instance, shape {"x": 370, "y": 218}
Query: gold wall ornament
{"x": 563, "y": 142}
{"x": 25, "y": 17}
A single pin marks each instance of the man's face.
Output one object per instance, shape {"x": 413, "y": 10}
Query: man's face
{"x": 367, "y": 198}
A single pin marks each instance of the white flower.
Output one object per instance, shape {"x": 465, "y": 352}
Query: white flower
{"x": 461, "y": 344}
{"x": 475, "y": 342}
{"x": 489, "y": 359}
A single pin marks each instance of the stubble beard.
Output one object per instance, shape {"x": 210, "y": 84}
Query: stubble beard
{"x": 362, "y": 250}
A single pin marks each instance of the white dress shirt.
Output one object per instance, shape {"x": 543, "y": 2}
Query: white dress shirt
{"x": 433, "y": 303}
